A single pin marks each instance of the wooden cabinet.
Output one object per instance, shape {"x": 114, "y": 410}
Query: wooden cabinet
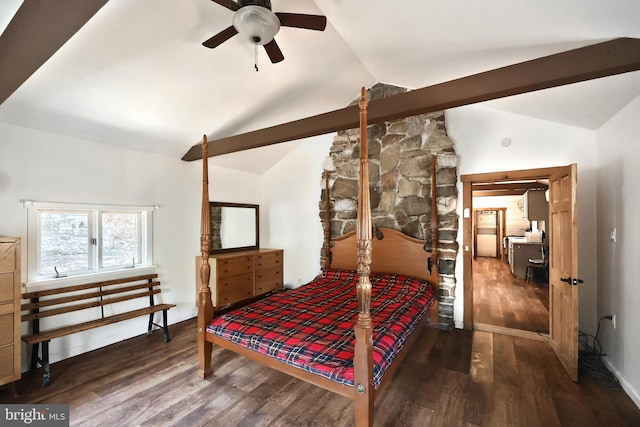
{"x": 239, "y": 276}
{"x": 10, "y": 362}
{"x": 535, "y": 206}
{"x": 520, "y": 253}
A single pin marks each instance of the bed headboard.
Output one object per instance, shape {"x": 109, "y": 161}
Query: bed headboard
{"x": 391, "y": 252}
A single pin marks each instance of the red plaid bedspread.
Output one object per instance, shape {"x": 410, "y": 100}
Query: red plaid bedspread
{"x": 312, "y": 327}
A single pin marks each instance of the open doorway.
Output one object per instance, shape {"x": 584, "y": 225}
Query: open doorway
{"x": 505, "y": 237}
{"x": 504, "y": 299}
{"x": 562, "y": 257}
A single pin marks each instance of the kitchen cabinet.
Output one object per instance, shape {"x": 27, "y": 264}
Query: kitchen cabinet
{"x": 520, "y": 251}
{"x": 535, "y": 206}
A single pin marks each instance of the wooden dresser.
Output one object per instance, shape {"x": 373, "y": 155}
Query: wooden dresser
{"x": 10, "y": 362}
{"x": 239, "y": 276}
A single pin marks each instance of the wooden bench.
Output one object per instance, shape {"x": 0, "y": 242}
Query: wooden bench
{"x": 53, "y": 302}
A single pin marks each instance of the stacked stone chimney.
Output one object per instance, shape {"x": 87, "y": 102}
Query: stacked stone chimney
{"x": 400, "y": 156}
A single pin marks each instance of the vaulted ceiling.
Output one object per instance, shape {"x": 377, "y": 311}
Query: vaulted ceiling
{"x": 136, "y": 74}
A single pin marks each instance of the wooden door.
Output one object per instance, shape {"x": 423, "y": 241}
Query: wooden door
{"x": 563, "y": 268}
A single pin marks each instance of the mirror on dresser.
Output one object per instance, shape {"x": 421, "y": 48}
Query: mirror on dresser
{"x": 234, "y": 227}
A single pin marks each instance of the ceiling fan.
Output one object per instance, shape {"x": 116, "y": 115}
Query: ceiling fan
{"x": 254, "y": 21}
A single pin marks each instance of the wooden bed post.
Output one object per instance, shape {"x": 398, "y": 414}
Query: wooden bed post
{"x": 363, "y": 357}
{"x": 434, "y": 314}
{"x": 205, "y": 306}
{"x": 327, "y": 222}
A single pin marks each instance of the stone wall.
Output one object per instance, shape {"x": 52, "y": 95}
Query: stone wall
{"x": 400, "y": 156}
{"x": 216, "y": 222}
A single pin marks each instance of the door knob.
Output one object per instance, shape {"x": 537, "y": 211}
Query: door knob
{"x": 571, "y": 280}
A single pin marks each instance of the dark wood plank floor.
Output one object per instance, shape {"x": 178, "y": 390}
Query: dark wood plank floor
{"x": 451, "y": 378}
{"x": 500, "y": 299}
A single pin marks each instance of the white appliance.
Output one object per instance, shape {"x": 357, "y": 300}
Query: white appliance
{"x": 487, "y": 233}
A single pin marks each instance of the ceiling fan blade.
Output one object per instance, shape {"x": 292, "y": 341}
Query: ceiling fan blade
{"x": 229, "y": 4}
{"x": 221, "y": 37}
{"x": 274, "y": 52}
{"x": 300, "y": 20}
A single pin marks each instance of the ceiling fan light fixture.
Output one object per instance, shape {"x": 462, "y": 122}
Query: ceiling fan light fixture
{"x": 256, "y": 23}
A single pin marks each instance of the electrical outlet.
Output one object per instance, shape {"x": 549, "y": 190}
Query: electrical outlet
{"x": 613, "y": 321}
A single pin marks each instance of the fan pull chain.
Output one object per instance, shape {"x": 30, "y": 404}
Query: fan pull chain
{"x": 256, "y": 58}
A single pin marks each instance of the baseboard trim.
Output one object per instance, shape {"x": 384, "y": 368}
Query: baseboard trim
{"x": 631, "y": 392}
{"x": 510, "y": 331}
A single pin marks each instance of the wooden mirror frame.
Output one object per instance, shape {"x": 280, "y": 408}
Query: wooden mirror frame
{"x": 214, "y": 205}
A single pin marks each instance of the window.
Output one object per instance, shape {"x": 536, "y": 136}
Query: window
{"x": 70, "y": 239}
{"x": 64, "y": 242}
{"x": 121, "y": 238}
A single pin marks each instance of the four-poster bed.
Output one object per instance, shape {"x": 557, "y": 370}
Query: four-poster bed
{"x": 387, "y": 285}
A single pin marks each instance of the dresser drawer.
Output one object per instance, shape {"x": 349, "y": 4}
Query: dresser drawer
{"x": 6, "y": 287}
{"x": 268, "y": 280}
{"x": 6, "y": 329}
{"x": 234, "y": 289}
{"x": 234, "y": 266}
{"x": 264, "y": 287}
{"x": 7, "y": 257}
{"x": 268, "y": 260}
{"x": 6, "y": 361}
{"x": 7, "y": 307}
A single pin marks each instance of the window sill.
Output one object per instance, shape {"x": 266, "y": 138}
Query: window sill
{"x": 39, "y": 285}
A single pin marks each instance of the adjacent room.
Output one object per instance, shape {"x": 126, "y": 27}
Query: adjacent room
{"x": 253, "y": 212}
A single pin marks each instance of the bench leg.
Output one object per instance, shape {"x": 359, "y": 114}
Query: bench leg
{"x": 165, "y": 326}
{"x": 35, "y": 348}
{"x": 150, "y": 328}
{"x": 46, "y": 370}
{"x": 44, "y": 361}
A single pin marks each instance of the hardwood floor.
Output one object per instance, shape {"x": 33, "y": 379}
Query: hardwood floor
{"x": 451, "y": 378}
{"x": 500, "y": 299}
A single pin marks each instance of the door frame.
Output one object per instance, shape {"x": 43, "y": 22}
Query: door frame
{"x": 467, "y": 223}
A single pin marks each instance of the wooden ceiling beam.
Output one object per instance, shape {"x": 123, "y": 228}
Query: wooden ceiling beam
{"x": 591, "y": 62}
{"x": 37, "y": 30}
{"x": 487, "y": 193}
{"x": 517, "y": 186}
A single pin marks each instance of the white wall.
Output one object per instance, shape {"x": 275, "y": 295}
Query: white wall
{"x": 618, "y": 204}
{"x": 291, "y": 196}
{"x": 48, "y": 167}
{"x": 477, "y": 132}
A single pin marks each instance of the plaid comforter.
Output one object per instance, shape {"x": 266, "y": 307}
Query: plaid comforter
{"x": 312, "y": 327}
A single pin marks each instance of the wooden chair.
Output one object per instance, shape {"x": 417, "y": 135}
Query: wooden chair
{"x": 540, "y": 265}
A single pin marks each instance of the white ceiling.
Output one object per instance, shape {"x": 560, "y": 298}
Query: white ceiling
{"x": 136, "y": 74}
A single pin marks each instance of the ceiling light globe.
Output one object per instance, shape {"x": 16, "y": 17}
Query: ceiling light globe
{"x": 256, "y": 23}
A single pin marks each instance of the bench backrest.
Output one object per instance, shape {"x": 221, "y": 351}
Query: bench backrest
{"x": 97, "y": 294}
